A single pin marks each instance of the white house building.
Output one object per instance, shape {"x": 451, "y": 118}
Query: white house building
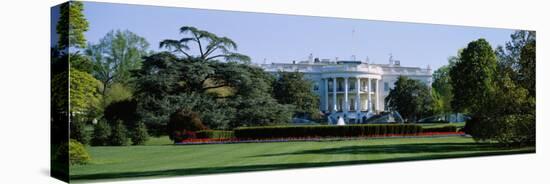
{"x": 352, "y": 90}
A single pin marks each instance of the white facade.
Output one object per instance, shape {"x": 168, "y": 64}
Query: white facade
{"x": 353, "y": 90}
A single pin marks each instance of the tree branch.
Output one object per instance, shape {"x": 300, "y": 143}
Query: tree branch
{"x": 210, "y": 51}
{"x": 216, "y": 56}
{"x": 200, "y": 45}
{"x": 182, "y": 51}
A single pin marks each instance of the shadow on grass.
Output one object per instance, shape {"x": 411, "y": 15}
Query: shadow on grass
{"x": 398, "y": 148}
{"x": 485, "y": 150}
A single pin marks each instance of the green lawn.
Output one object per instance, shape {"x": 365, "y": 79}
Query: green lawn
{"x": 158, "y": 141}
{"x": 433, "y": 125}
{"x": 157, "y": 159}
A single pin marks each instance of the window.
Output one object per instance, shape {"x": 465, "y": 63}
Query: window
{"x": 386, "y": 86}
{"x": 316, "y": 86}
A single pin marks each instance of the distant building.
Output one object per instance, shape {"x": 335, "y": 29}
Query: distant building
{"x": 353, "y": 90}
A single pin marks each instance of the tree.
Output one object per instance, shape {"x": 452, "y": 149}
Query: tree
{"x": 510, "y": 119}
{"x": 78, "y": 132}
{"x": 115, "y": 56}
{"x": 210, "y": 46}
{"x": 501, "y": 109}
{"x": 292, "y": 88}
{"x": 81, "y": 63}
{"x": 509, "y": 55}
{"x": 117, "y": 92}
{"x": 71, "y": 26}
{"x": 223, "y": 94}
{"x": 119, "y": 134}
{"x": 442, "y": 90}
{"x": 84, "y": 97}
{"x": 252, "y": 99}
{"x": 102, "y": 134}
{"x": 218, "y": 92}
{"x": 124, "y": 111}
{"x": 166, "y": 83}
{"x": 259, "y": 111}
{"x": 411, "y": 98}
{"x": 527, "y": 68}
{"x": 139, "y": 134}
{"x": 473, "y": 77}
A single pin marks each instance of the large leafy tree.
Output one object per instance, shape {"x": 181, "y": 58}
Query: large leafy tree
{"x": 509, "y": 54}
{"x": 84, "y": 95}
{"x": 292, "y": 88}
{"x": 509, "y": 118}
{"x": 71, "y": 26}
{"x": 209, "y": 45}
{"x": 224, "y": 94}
{"x": 501, "y": 109}
{"x": 84, "y": 103}
{"x": 442, "y": 90}
{"x": 115, "y": 56}
{"x": 473, "y": 77}
{"x": 527, "y": 68}
{"x": 411, "y": 98}
{"x": 252, "y": 100}
{"x": 167, "y": 83}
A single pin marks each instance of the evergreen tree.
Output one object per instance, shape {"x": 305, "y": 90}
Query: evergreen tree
{"x": 78, "y": 132}
{"x": 473, "y": 77}
{"x": 139, "y": 134}
{"x": 102, "y": 134}
{"x": 71, "y": 26}
{"x": 119, "y": 134}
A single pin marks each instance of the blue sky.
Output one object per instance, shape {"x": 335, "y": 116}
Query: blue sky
{"x": 283, "y": 38}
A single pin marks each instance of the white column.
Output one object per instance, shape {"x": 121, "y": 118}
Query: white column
{"x": 369, "y": 97}
{"x": 326, "y": 94}
{"x": 335, "y": 107}
{"x": 358, "y": 100}
{"x": 357, "y": 95}
{"x": 377, "y": 95}
{"x": 346, "y": 100}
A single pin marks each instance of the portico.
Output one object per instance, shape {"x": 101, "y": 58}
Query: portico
{"x": 351, "y": 96}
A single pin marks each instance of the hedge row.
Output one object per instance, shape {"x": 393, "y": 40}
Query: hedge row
{"x": 214, "y": 134}
{"x": 325, "y": 131}
{"x": 446, "y": 128}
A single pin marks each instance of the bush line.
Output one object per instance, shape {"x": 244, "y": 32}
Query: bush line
{"x": 325, "y": 131}
{"x": 214, "y": 134}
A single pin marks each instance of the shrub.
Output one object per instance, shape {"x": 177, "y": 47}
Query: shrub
{"x": 509, "y": 130}
{"x": 325, "y": 131}
{"x": 79, "y": 132}
{"x": 214, "y": 134}
{"x": 61, "y": 153}
{"x": 77, "y": 153}
{"x": 446, "y": 128}
{"x": 139, "y": 134}
{"x": 102, "y": 134}
{"x": 182, "y": 123}
{"x": 124, "y": 110}
{"x": 119, "y": 135}
{"x": 516, "y": 130}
